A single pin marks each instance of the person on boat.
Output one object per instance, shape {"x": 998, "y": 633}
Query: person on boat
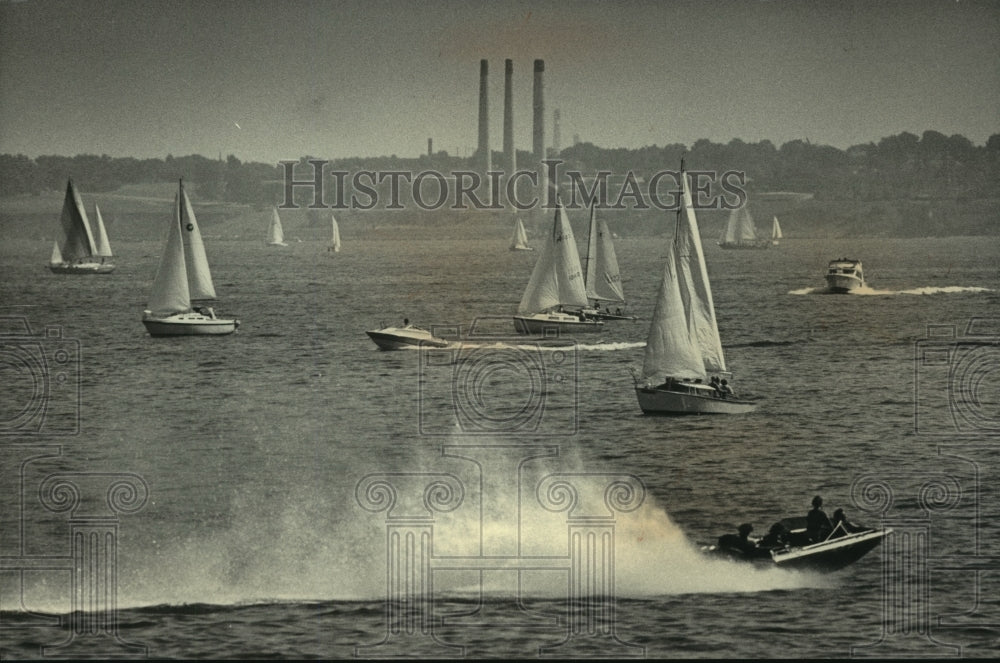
{"x": 776, "y": 537}
{"x": 818, "y": 525}
{"x": 406, "y": 322}
{"x": 725, "y": 390}
{"x": 714, "y": 384}
{"x": 618, "y": 311}
{"x": 740, "y": 542}
{"x": 841, "y": 521}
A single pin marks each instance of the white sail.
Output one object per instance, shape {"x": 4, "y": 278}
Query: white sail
{"x": 78, "y": 242}
{"x": 740, "y": 227}
{"x": 56, "y": 258}
{"x": 103, "y": 245}
{"x": 170, "y": 287}
{"x": 199, "y": 276}
{"x": 335, "y": 237}
{"x": 669, "y": 349}
{"x": 775, "y": 229}
{"x": 557, "y": 278}
{"x": 696, "y": 291}
{"x": 520, "y": 239}
{"x": 275, "y": 235}
{"x": 603, "y": 280}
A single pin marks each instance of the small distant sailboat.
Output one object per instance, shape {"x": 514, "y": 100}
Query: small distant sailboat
{"x": 740, "y": 231}
{"x": 683, "y": 342}
{"x": 603, "y": 278}
{"x": 520, "y": 240}
{"x": 775, "y": 232}
{"x": 78, "y": 253}
{"x": 334, "y": 246}
{"x": 275, "y": 235}
{"x": 183, "y": 277}
{"x": 556, "y": 284}
{"x": 103, "y": 245}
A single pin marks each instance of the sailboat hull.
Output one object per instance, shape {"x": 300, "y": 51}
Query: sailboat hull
{"x": 548, "y": 323}
{"x": 189, "y": 324}
{"x": 750, "y": 244}
{"x": 82, "y": 268}
{"x": 657, "y": 401}
{"x": 521, "y": 248}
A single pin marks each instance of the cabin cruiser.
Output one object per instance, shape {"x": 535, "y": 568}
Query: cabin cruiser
{"x": 788, "y": 546}
{"x": 407, "y": 336}
{"x": 844, "y": 275}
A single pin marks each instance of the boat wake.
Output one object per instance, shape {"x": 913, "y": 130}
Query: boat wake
{"x": 868, "y": 291}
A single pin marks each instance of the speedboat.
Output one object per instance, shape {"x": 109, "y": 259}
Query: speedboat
{"x": 408, "y": 336}
{"x": 844, "y": 275}
{"x": 787, "y": 546}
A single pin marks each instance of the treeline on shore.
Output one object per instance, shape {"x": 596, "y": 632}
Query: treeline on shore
{"x": 905, "y": 166}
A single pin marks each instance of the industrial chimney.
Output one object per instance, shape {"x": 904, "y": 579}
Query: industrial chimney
{"x": 538, "y": 106}
{"x": 484, "y": 117}
{"x": 510, "y": 154}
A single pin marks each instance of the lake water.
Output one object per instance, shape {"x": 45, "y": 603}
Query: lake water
{"x": 276, "y": 466}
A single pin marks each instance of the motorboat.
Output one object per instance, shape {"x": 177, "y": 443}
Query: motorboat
{"x": 407, "y": 336}
{"x": 844, "y": 275}
{"x": 788, "y": 546}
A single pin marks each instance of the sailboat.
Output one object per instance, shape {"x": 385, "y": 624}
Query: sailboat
{"x": 183, "y": 276}
{"x": 275, "y": 235}
{"x": 602, "y": 278}
{"x": 683, "y": 342}
{"x": 520, "y": 239}
{"x": 78, "y": 253}
{"x": 740, "y": 231}
{"x": 334, "y": 246}
{"x": 775, "y": 231}
{"x": 103, "y": 245}
{"x": 555, "y": 285}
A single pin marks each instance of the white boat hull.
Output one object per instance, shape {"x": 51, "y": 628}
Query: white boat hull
{"x": 401, "y": 338}
{"x": 547, "y": 323}
{"x": 653, "y": 400}
{"x": 188, "y": 324}
{"x": 841, "y": 283}
{"x": 82, "y": 268}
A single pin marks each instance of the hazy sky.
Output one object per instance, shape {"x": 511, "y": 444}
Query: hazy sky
{"x": 269, "y": 80}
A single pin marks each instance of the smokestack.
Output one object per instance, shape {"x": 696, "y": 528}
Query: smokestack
{"x": 555, "y": 132}
{"x": 538, "y": 106}
{"x": 484, "y": 116}
{"x": 510, "y": 155}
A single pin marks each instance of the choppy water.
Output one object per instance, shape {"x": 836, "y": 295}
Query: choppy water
{"x": 254, "y": 539}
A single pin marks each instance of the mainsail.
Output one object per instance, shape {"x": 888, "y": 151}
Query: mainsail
{"x": 103, "y": 246}
{"x": 775, "y": 229}
{"x": 335, "y": 237}
{"x": 669, "y": 349}
{"x": 520, "y": 239}
{"x": 78, "y": 242}
{"x": 603, "y": 280}
{"x": 557, "y": 278}
{"x": 198, "y": 274}
{"x": 275, "y": 235}
{"x": 740, "y": 228}
{"x": 694, "y": 285}
{"x": 170, "y": 287}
